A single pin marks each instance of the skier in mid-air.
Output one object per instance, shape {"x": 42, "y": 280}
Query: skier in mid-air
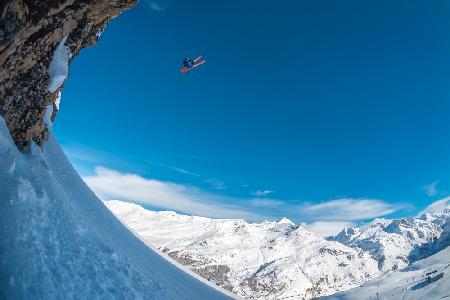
{"x": 188, "y": 63}
{"x": 191, "y": 63}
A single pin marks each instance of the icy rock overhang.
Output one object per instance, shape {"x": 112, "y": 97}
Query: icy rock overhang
{"x": 31, "y": 32}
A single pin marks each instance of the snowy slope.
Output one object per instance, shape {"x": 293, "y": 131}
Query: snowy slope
{"x": 394, "y": 244}
{"x": 424, "y": 279}
{"x": 270, "y": 260}
{"x": 59, "y": 241}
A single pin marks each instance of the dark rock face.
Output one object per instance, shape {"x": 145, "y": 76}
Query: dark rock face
{"x": 218, "y": 274}
{"x": 30, "y": 30}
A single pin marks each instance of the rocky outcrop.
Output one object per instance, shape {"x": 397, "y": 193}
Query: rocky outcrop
{"x": 30, "y": 31}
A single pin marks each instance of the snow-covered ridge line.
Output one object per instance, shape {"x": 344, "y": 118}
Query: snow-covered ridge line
{"x": 179, "y": 265}
{"x": 60, "y": 241}
{"x": 397, "y": 243}
{"x": 268, "y": 260}
{"x": 276, "y": 260}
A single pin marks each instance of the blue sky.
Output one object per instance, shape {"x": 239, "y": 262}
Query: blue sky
{"x": 303, "y": 108}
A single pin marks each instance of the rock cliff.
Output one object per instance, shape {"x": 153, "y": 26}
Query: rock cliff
{"x": 30, "y": 31}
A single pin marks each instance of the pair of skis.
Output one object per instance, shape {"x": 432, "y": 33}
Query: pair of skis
{"x": 196, "y": 64}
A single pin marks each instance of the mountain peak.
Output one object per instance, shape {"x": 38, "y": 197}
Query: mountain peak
{"x": 267, "y": 260}
{"x": 285, "y": 220}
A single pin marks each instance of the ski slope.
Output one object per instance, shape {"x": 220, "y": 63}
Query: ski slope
{"x": 59, "y": 241}
{"x": 425, "y": 279}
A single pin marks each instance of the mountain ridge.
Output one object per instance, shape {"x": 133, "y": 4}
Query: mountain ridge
{"x": 278, "y": 259}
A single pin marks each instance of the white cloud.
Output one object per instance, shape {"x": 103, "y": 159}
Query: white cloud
{"x": 261, "y": 193}
{"x": 110, "y": 184}
{"x": 216, "y": 183}
{"x": 436, "y": 206}
{"x": 266, "y": 202}
{"x": 85, "y": 155}
{"x": 327, "y": 228}
{"x": 320, "y": 217}
{"x": 347, "y": 209}
{"x": 155, "y": 5}
{"x": 184, "y": 171}
{"x": 431, "y": 189}
{"x": 177, "y": 169}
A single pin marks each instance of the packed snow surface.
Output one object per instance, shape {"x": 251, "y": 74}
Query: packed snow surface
{"x": 268, "y": 260}
{"x": 58, "y": 240}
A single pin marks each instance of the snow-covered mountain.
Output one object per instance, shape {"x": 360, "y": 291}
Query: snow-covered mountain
{"x": 268, "y": 260}
{"x": 397, "y": 243}
{"x": 424, "y": 279}
{"x": 58, "y": 241}
{"x": 280, "y": 260}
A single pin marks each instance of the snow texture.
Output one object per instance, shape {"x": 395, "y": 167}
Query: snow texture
{"x": 268, "y": 260}
{"x": 58, "y": 240}
{"x": 280, "y": 260}
{"x": 58, "y": 70}
{"x": 424, "y": 279}
{"x": 397, "y": 243}
{"x": 58, "y": 100}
